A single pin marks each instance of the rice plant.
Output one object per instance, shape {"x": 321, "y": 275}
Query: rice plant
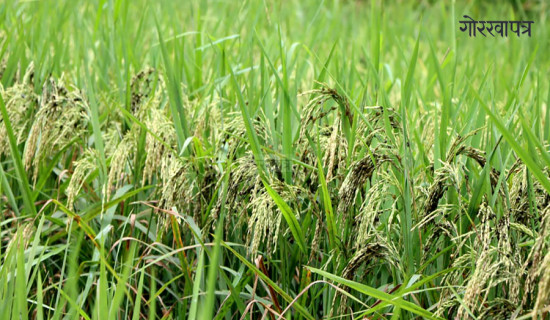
{"x": 273, "y": 160}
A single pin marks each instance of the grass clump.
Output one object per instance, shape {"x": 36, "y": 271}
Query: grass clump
{"x": 254, "y": 160}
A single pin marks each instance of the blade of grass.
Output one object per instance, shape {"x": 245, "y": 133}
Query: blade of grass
{"x": 21, "y": 280}
{"x": 18, "y": 163}
{"x": 289, "y": 216}
{"x": 6, "y": 190}
{"x": 137, "y": 301}
{"x": 509, "y": 137}
{"x": 122, "y": 283}
{"x": 303, "y": 311}
{"x": 380, "y": 295}
{"x": 176, "y": 103}
{"x": 406, "y": 214}
{"x": 193, "y": 309}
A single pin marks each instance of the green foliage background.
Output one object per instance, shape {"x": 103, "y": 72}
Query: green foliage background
{"x": 286, "y": 159}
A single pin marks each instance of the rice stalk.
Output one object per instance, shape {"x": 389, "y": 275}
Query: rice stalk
{"x": 82, "y": 169}
{"x": 62, "y": 116}
{"x": 20, "y": 101}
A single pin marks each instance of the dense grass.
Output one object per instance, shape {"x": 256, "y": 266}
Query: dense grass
{"x": 276, "y": 159}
